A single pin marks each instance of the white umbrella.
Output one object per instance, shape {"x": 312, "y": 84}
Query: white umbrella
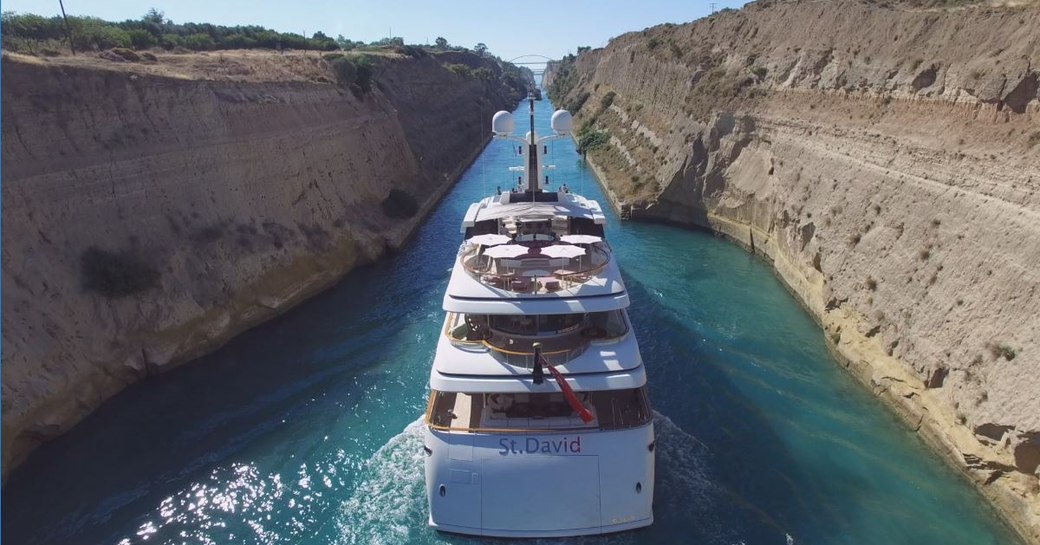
{"x": 562, "y": 250}
{"x": 508, "y": 250}
{"x": 489, "y": 239}
{"x": 581, "y": 239}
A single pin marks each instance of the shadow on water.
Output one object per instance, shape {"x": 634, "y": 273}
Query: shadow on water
{"x": 272, "y": 390}
{"x": 244, "y": 432}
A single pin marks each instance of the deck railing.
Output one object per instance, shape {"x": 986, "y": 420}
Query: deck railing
{"x": 518, "y": 350}
{"x": 513, "y": 278}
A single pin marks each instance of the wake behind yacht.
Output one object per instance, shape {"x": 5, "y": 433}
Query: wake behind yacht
{"x": 538, "y": 423}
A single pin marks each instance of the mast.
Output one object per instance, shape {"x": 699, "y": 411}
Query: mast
{"x": 503, "y": 126}
{"x": 532, "y": 153}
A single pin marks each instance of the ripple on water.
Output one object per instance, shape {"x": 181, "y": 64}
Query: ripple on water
{"x": 292, "y": 433}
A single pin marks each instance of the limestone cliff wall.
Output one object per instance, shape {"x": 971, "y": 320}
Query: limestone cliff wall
{"x": 151, "y": 212}
{"x": 549, "y": 74}
{"x": 886, "y": 160}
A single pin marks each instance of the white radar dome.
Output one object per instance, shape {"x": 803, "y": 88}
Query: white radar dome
{"x": 562, "y": 122}
{"x": 503, "y": 123}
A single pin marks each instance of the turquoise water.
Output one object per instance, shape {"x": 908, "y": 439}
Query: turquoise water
{"x": 305, "y": 430}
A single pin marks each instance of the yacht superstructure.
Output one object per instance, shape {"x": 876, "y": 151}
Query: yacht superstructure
{"x": 538, "y": 423}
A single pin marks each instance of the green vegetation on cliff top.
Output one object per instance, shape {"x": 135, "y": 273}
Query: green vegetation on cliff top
{"x": 50, "y": 36}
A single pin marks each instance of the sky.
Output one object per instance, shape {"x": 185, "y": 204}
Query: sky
{"x": 510, "y": 29}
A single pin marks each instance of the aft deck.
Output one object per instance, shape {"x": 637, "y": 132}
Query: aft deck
{"x": 525, "y": 412}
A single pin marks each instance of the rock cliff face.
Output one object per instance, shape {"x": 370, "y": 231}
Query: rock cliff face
{"x": 886, "y": 159}
{"x": 151, "y": 212}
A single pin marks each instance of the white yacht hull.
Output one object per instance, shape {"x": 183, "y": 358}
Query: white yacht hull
{"x": 567, "y": 483}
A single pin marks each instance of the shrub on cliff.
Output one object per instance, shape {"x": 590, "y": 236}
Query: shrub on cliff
{"x": 115, "y": 274}
{"x": 399, "y": 204}
{"x": 564, "y": 81}
{"x": 91, "y": 33}
{"x": 574, "y": 104}
{"x": 126, "y": 54}
{"x": 590, "y": 139}
{"x": 460, "y": 69}
{"x": 355, "y": 72}
{"x": 142, "y": 39}
{"x": 410, "y": 51}
{"x": 346, "y": 73}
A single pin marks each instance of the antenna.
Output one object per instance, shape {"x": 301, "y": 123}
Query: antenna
{"x": 581, "y": 174}
{"x": 532, "y": 153}
{"x": 712, "y": 7}
{"x": 483, "y": 160}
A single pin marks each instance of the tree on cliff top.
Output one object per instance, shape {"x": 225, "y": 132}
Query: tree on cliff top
{"x": 441, "y": 43}
{"x": 32, "y": 34}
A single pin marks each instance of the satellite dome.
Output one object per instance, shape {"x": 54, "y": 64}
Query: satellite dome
{"x": 562, "y": 122}
{"x": 503, "y": 123}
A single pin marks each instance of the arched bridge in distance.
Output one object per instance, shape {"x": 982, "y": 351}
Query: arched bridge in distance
{"x": 527, "y": 60}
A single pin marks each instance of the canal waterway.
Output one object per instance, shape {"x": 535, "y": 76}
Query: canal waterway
{"x": 306, "y": 429}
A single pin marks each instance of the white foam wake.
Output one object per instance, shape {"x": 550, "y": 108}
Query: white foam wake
{"x": 388, "y": 505}
{"x": 682, "y": 475}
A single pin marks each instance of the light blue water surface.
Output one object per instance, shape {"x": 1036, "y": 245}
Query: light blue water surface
{"x": 305, "y": 429}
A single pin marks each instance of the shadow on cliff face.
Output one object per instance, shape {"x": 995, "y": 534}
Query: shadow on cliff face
{"x": 322, "y": 386}
{"x": 254, "y": 402}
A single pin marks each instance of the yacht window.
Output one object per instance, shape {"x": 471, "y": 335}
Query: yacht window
{"x": 606, "y": 325}
{"x": 619, "y": 409}
{"x": 520, "y": 324}
{"x": 482, "y": 228}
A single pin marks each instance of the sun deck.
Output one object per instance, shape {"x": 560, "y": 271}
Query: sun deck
{"x": 537, "y": 270}
{"x": 550, "y": 243}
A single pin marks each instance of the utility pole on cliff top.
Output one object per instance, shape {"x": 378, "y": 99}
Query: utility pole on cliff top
{"x": 68, "y": 34}
{"x": 712, "y": 8}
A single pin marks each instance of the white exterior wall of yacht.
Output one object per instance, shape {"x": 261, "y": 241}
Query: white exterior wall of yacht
{"x": 508, "y": 452}
{"x": 521, "y": 465}
{"x": 540, "y": 484}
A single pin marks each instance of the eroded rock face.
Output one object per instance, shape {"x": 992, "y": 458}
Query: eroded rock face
{"x": 147, "y": 218}
{"x": 887, "y": 162}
